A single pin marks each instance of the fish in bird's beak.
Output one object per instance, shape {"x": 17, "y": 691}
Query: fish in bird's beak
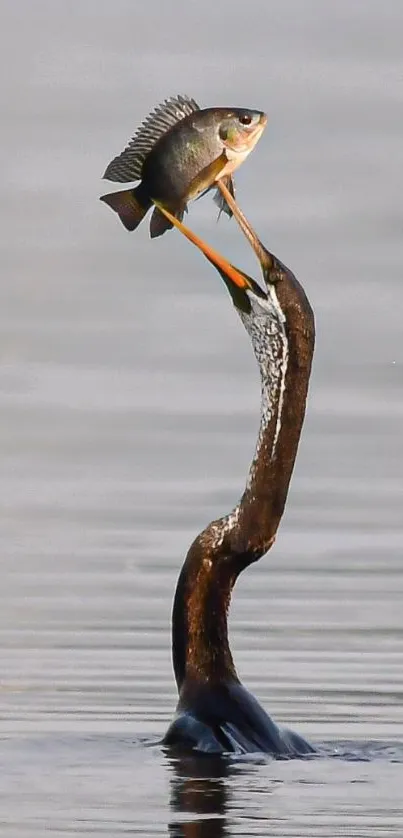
{"x": 179, "y": 153}
{"x": 237, "y": 282}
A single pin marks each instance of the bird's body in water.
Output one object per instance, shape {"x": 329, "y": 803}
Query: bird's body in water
{"x": 215, "y": 713}
{"x": 178, "y": 153}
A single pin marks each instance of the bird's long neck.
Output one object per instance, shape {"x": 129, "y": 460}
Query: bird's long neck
{"x": 200, "y": 645}
{"x": 284, "y": 361}
{"x": 283, "y": 342}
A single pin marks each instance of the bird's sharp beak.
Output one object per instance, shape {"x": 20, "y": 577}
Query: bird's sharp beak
{"x": 231, "y": 275}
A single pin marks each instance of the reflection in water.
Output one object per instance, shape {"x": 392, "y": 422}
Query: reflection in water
{"x": 199, "y": 796}
{"x": 208, "y": 792}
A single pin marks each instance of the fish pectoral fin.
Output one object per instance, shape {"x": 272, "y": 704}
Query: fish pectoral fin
{"x": 219, "y": 197}
{"x": 129, "y": 209}
{"x": 206, "y": 178}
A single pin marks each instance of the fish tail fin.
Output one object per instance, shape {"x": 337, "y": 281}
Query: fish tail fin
{"x": 220, "y": 200}
{"x": 131, "y": 206}
{"x": 160, "y": 223}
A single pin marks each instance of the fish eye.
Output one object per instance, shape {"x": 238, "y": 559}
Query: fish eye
{"x": 245, "y": 119}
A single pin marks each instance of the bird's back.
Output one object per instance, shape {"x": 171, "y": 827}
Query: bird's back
{"x": 226, "y": 718}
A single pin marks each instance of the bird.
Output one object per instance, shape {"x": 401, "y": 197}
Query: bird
{"x": 215, "y": 712}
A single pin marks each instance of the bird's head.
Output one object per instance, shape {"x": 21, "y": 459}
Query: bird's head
{"x": 247, "y": 295}
{"x": 258, "y": 308}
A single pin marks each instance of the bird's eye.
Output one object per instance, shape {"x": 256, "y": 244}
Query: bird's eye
{"x": 245, "y": 119}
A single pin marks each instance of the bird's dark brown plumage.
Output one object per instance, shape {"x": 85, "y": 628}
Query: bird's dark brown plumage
{"x": 215, "y": 712}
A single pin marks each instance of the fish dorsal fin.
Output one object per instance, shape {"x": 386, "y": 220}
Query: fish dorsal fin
{"x": 127, "y": 166}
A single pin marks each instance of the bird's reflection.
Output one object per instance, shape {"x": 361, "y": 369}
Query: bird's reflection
{"x": 199, "y": 797}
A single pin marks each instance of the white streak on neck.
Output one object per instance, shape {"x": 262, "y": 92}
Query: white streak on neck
{"x": 283, "y": 371}
{"x": 265, "y": 325}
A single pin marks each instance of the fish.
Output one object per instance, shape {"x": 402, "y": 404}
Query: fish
{"x": 178, "y": 153}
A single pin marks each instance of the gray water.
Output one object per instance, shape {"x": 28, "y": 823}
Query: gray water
{"x": 129, "y": 408}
